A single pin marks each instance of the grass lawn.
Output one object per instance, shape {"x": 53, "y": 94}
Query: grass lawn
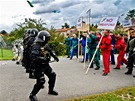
{"x": 6, "y": 54}
{"x": 123, "y": 94}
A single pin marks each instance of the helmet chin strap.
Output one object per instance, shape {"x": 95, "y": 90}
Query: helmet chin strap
{"x": 44, "y": 43}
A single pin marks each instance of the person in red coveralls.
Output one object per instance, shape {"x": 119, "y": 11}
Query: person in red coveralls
{"x": 106, "y": 47}
{"x": 120, "y": 45}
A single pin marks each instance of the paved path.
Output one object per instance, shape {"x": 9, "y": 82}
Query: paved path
{"x": 71, "y": 81}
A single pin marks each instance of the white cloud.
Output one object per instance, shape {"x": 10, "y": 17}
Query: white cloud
{"x": 14, "y": 11}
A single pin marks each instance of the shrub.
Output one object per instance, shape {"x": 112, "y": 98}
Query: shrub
{"x": 59, "y": 48}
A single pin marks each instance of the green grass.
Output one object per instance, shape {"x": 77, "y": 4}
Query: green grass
{"x": 123, "y": 94}
{"x": 7, "y": 54}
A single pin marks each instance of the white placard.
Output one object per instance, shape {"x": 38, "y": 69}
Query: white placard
{"x": 79, "y": 22}
{"x": 127, "y": 23}
{"x": 108, "y": 23}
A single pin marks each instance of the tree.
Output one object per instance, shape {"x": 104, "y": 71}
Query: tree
{"x": 56, "y": 40}
{"x": 118, "y": 23}
{"x": 33, "y": 23}
{"x": 18, "y": 33}
{"x": 130, "y": 14}
{"x": 73, "y": 27}
{"x": 96, "y": 26}
{"x": 65, "y": 26}
{"x": 3, "y": 32}
{"x": 93, "y": 28}
{"x": 92, "y": 25}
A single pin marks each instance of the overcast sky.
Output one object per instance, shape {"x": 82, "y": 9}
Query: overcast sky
{"x": 15, "y": 11}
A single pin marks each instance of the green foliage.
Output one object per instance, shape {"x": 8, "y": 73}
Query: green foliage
{"x": 118, "y": 31}
{"x": 18, "y": 33}
{"x": 93, "y": 28}
{"x": 65, "y": 25}
{"x": 56, "y": 39}
{"x": 130, "y": 14}
{"x": 56, "y": 42}
{"x": 118, "y": 23}
{"x": 58, "y": 48}
{"x": 33, "y": 23}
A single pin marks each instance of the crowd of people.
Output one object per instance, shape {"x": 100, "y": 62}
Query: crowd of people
{"x": 109, "y": 42}
{"x": 35, "y": 54}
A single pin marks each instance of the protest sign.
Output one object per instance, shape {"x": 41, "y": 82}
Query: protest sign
{"x": 108, "y": 23}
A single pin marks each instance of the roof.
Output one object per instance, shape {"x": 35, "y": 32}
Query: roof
{"x": 127, "y": 29}
{"x": 63, "y": 30}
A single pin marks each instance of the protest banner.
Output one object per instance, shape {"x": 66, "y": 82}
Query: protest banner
{"x": 108, "y": 23}
{"x": 79, "y": 22}
{"x": 127, "y": 23}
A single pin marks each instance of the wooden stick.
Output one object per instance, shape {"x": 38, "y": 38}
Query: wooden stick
{"x": 84, "y": 65}
{"x": 94, "y": 54}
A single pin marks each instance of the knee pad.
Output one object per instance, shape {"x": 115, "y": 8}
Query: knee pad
{"x": 53, "y": 74}
{"x": 41, "y": 81}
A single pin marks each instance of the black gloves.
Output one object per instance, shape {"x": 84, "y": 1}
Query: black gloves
{"x": 56, "y": 58}
{"x": 48, "y": 57}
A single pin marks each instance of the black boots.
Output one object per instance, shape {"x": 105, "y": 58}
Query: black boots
{"x": 53, "y": 92}
{"x": 104, "y": 74}
{"x": 116, "y": 68}
{"x": 129, "y": 72}
{"x": 33, "y": 98}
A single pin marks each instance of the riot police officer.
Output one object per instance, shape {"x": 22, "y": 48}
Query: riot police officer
{"x": 28, "y": 41}
{"x": 32, "y": 35}
{"x": 25, "y": 51}
{"x": 41, "y": 63}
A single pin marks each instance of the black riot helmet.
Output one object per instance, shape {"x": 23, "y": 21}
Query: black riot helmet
{"x": 43, "y": 37}
{"x": 33, "y": 32}
{"x": 27, "y": 31}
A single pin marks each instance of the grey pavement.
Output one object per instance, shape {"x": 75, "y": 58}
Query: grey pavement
{"x": 71, "y": 81}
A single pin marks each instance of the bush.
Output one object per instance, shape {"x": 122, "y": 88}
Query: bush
{"x": 59, "y": 49}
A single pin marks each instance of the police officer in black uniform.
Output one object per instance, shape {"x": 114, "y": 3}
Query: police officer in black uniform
{"x": 25, "y": 51}
{"x": 31, "y": 39}
{"x": 41, "y": 62}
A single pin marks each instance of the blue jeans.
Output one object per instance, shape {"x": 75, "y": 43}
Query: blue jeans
{"x": 112, "y": 56}
{"x": 72, "y": 53}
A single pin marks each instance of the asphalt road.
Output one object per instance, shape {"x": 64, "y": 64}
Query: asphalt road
{"x": 71, "y": 81}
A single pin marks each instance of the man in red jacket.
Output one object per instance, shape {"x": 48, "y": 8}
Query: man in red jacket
{"x": 106, "y": 47}
{"x": 120, "y": 45}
